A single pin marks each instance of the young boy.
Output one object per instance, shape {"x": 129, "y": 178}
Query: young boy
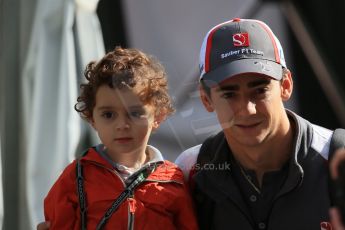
{"x": 123, "y": 183}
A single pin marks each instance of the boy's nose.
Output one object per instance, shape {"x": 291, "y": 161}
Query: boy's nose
{"x": 122, "y": 123}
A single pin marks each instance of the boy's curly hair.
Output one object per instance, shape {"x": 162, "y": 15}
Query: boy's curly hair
{"x": 126, "y": 68}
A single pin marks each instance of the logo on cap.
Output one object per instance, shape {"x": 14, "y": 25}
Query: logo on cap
{"x": 240, "y": 39}
{"x": 264, "y": 66}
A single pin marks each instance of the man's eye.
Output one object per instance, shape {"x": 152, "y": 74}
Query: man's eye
{"x": 228, "y": 95}
{"x": 107, "y": 115}
{"x": 261, "y": 90}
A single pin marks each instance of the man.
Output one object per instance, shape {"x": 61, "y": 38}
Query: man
{"x": 267, "y": 169}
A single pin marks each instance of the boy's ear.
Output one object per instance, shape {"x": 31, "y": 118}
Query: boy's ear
{"x": 156, "y": 125}
{"x": 286, "y": 86}
{"x": 158, "y": 120}
{"x": 206, "y": 100}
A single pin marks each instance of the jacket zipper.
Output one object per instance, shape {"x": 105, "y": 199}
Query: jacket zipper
{"x": 131, "y": 211}
{"x": 130, "y": 199}
{"x": 164, "y": 181}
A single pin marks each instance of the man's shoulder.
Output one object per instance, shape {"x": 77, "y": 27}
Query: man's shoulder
{"x": 187, "y": 159}
{"x": 320, "y": 136}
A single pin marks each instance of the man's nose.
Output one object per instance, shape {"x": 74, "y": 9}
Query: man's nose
{"x": 247, "y": 107}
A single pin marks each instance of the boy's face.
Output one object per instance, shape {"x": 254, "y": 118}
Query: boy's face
{"x": 123, "y": 123}
{"x": 249, "y": 108}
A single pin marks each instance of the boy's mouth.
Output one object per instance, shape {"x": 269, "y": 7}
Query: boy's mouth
{"x": 123, "y": 139}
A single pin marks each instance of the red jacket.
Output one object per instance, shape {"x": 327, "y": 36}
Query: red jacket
{"x": 160, "y": 202}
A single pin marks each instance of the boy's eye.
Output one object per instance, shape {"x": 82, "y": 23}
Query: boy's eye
{"x": 137, "y": 114}
{"x": 108, "y": 115}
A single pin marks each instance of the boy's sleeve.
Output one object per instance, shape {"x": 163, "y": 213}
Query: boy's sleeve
{"x": 61, "y": 202}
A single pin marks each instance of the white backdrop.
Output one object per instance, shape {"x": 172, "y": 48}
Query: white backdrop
{"x": 49, "y": 85}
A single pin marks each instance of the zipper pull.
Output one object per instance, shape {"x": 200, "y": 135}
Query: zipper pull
{"x": 132, "y": 204}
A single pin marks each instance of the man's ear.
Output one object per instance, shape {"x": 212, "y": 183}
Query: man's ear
{"x": 286, "y": 86}
{"x": 206, "y": 100}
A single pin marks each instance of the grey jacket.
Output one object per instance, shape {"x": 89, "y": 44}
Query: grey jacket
{"x": 301, "y": 204}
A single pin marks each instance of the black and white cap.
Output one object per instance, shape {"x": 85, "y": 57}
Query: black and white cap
{"x": 240, "y": 46}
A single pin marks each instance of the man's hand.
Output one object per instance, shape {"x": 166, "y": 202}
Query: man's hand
{"x": 335, "y": 219}
{"x": 43, "y": 225}
{"x": 339, "y": 156}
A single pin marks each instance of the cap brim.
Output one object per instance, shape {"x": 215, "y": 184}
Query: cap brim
{"x": 243, "y": 66}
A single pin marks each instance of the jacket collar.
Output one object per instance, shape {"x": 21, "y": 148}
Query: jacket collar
{"x": 302, "y": 142}
{"x": 166, "y": 171}
{"x": 102, "y": 158}
{"x": 93, "y": 156}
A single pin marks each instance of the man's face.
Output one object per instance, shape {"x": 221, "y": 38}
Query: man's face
{"x": 249, "y": 108}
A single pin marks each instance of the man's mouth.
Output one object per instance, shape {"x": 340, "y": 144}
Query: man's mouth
{"x": 248, "y": 126}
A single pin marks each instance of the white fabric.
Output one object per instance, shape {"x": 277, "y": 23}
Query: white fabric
{"x": 49, "y": 86}
{"x": 154, "y": 155}
{"x": 321, "y": 140}
{"x": 187, "y": 159}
